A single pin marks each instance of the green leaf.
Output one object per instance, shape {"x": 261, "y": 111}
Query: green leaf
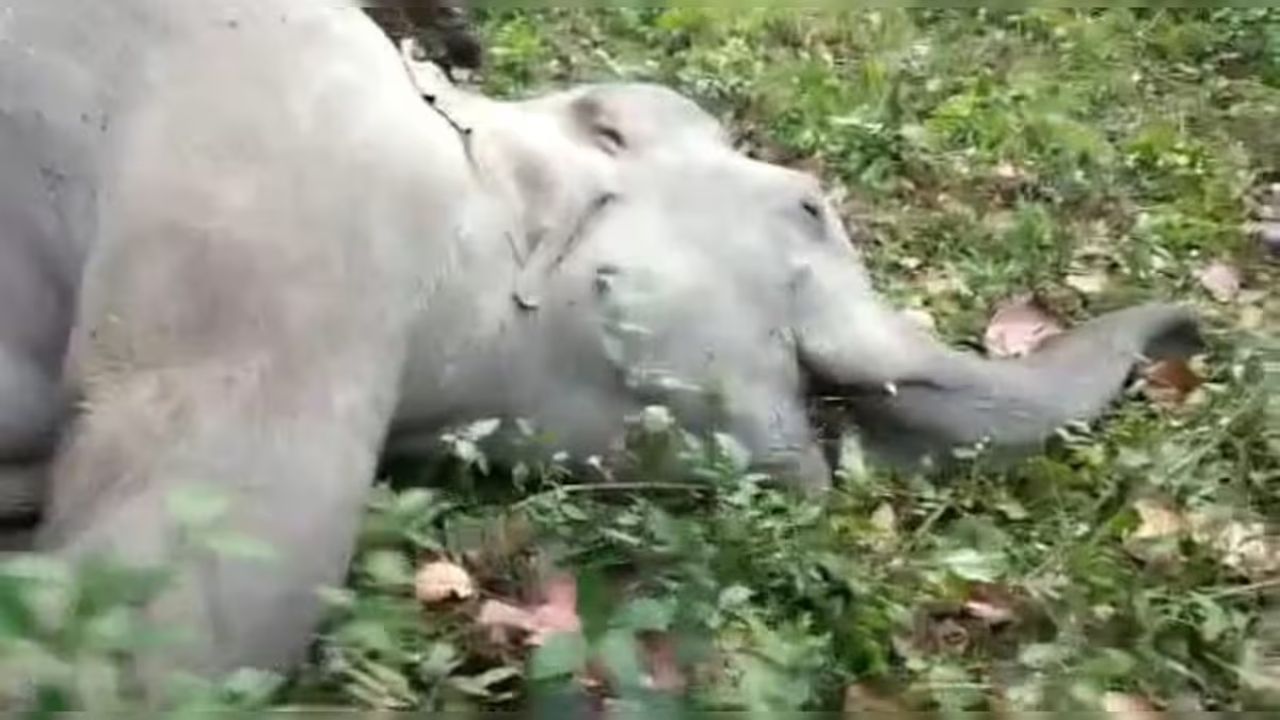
{"x": 620, "y": 653}
{"x": 388, "y": 568}
{"x": 481, "y": 685}
{"x": 975, "y": 565}
{"x": 1043, "y": 656}
{"x": 1110, "y": 663}
{"x": 251, "y": 686}
{"x": 562, "y": 655}
{"x": 734, "y": 596}
{"x": 441, "y": 659}
{"x": 646, "y": 614}
{"x": 1216, "y": 622}
{"x": 413, "y": 503}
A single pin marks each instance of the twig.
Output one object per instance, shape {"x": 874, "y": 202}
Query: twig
{"x": 617, "y": 487}
{"x": 1260, "y": 586}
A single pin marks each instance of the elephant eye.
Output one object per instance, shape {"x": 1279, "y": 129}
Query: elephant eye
{"x": 609, "y": 139}
{"x": 812, "y": 209}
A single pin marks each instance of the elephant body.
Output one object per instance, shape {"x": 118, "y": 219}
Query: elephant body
{"x": 238, "y": 250}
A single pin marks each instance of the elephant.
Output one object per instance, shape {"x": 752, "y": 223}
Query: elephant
{"x": 239, "y": 251}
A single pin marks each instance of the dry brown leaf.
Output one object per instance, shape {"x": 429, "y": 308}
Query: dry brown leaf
{"x": 1252, "y": 296}
{"x": 1245, "y": 546}
{"x": 1156, "y": 539}
{"x": 988, "y": 612}
{"x": 1252, "y": 317}
{"x": 1221, "y": 281}
{"x": 556, "y": 614}
{"x": 441, "y": 581}
{"x": 1088, "y": 283}
{"x": 1129, "y": 707}
{"x": 1008, "y": 171}
{"x": 559, "y": 612}
{"x": 662, "y": 663}
{"x": 1169, "y": 382}
{"x": 939, "y": 283}
{"x": 885, "y": 520}
{"x": 1158, "y": 520}
{"x": 861, "y": 699}
{"x": 1018, "y": 327}
{"x": 496, "y": 613}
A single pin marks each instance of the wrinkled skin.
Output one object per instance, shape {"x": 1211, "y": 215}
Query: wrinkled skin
{"x": 237, "y": 250}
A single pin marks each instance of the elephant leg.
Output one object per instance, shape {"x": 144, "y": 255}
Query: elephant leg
{"x": 22, "y": 492}
{"x": 244, "y": 318}
{"x": 292, "y": 456}
{"x": 22, "y": 496}
{"x": 260, "y": 363}
{"x": 776, "y": 429}
{"x": 30, "y": 407}
{"x": 267, "y": 378}
{"x": 288, "y": 442}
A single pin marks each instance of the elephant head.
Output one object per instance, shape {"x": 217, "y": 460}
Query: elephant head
{"x": 645, "y": 260}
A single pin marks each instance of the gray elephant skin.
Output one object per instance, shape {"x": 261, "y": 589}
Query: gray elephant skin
{"x": 238, "y": 250}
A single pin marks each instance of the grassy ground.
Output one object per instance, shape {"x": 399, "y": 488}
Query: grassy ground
{"x": 1096, "y": 158}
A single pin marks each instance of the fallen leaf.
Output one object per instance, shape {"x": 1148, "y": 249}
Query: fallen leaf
{"x": 556, "y": 614}
{"x": 1018, "y": 327}
{"x": 1156, "y": 539}
{"x": 861, "y": 699}
{"x": 885, "y": 520}
{"x": 1088, "y": 283}
{"x": 559, "y": 612}
{"x": 496, "y": 613}
{"x": 1221, "y": 281}
{"x": 1157, "y": 520}
{"x": 990, "y": 613}
{"x": 1169, "y": 382}
{"x": 1252, "y": 296}
{"x": 1245, "y": 546}
{"x": 1007, "y": 171}
{"x": 938, "y": 283}
{"x": 441, "y": 581}
{"x": 663, "y": 663}
{"x": 993, "y": 604}
{"x": 1252, "y": 318}
{"x": 1129, "y": 707}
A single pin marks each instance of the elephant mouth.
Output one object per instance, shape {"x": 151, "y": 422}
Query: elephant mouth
{"x": 835, "y": 407}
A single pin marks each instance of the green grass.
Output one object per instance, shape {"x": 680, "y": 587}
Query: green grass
{"x": 980, "y": 154}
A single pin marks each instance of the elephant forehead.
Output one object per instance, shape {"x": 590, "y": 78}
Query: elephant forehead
{"x": 646, "y": 116}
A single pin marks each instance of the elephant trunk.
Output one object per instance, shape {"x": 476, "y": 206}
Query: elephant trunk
{"x": 913, "y": 398}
